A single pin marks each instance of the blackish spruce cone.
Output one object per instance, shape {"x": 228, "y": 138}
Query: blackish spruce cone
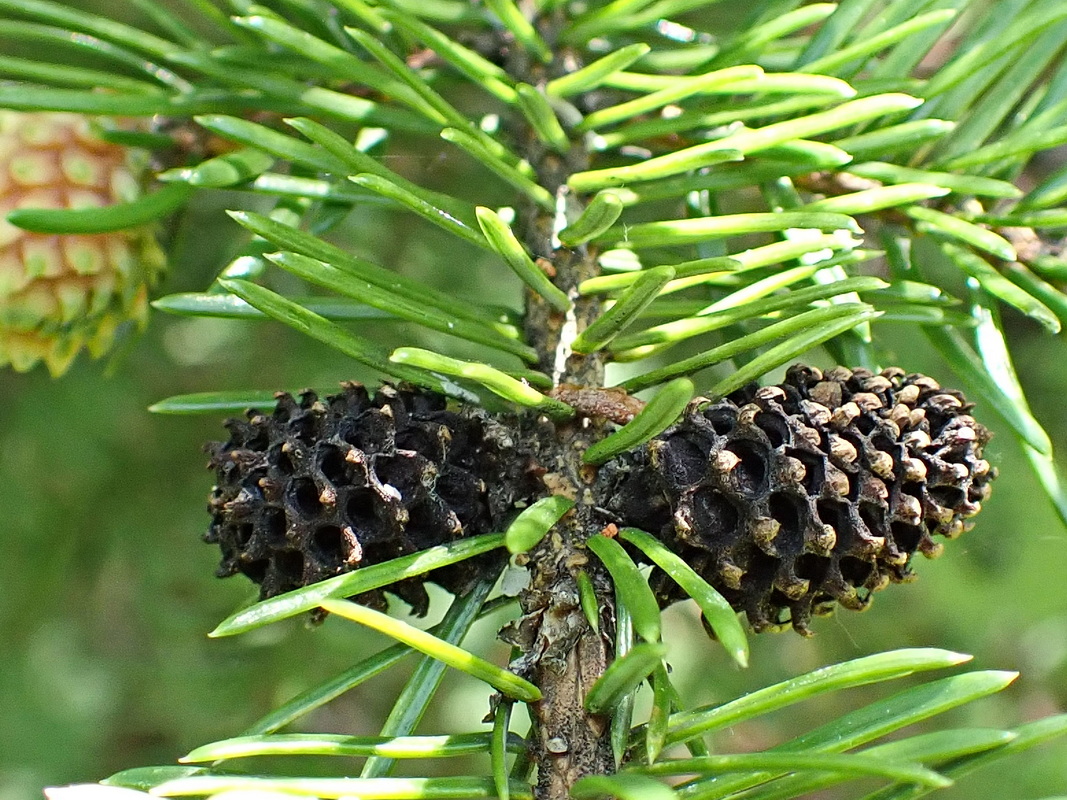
{"x": 790, "y": 498}
{"x": 318, "y": 488}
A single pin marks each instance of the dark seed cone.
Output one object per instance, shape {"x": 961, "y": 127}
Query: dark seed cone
{"x": 791, "y": 498}
{"x": 318, "y": 488}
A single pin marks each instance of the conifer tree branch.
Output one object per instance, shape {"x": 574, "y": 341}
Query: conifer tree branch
{"x": 565, "y": 654}
{"x": 680, "y": 127}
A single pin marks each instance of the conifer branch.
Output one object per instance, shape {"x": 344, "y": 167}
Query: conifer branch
{"x": 671, "y": 127}
{"x": 565, "y": 654}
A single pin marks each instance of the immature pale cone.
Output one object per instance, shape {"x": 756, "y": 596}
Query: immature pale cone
{"x": 62, "y": 293}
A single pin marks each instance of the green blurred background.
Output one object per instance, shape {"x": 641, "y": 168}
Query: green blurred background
{"x": 106, "y": 591}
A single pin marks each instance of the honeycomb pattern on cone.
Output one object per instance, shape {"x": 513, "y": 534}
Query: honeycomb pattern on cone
{"x": 791, "y": 498}
{"x": 318, "y": 488}
{"x": 62, "y": 293}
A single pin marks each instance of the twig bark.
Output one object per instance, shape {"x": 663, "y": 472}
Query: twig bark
{"x": 561, "y": 652}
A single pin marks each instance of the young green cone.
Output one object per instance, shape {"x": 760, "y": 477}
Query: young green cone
{"x": 60, "y": 293}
